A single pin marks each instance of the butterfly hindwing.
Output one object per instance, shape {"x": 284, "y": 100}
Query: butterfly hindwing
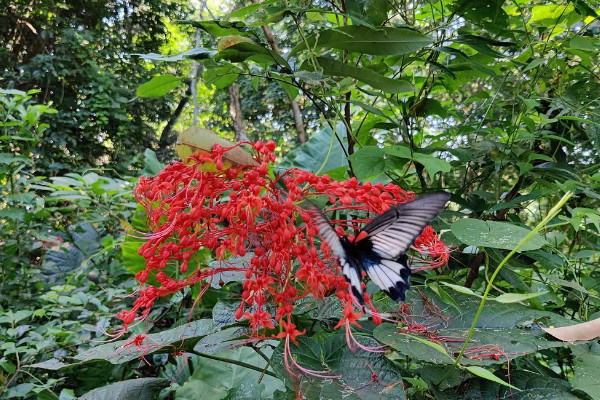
{"x": 394, "y": 231}
{"x": 352, "y": 273}
{"x": 390, "y": 275}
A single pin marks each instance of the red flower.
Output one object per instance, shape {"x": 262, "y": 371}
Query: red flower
{"x": 289, "y": 330}
{"x": 230, "y": 212}
{"x": 350, "y": 316}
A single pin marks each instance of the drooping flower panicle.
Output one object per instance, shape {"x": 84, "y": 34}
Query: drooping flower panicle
{"x": 249, "y": 213}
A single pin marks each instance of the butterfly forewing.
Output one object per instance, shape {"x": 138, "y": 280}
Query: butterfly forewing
{"x": 350, "y": 267}
{"x": 327, "y": 232}
{"x": 394, "y": 231}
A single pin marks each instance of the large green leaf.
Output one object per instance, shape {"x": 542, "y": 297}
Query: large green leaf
{"x": 214, "y": 380}
{"x": 361, "y": 39}
{"x": 221, "y": 76}
{"x": 499, "y": 235}
{"x": 158, "y": 86}
{"x": 182, "y": 337}
{"x": 77, "y": 253}
{"x": 364, "y": 375}
{"x": 132, "y": 389}
{"x": 243, "y": 50}
{"x": 586, "y": 364}
{"x": 368, "y": 162}
{"x": 220, "y": 28}
{"x": 199, "y": 53}
{"x": 503, "y": 332}
{"x": 532, "y": 386}
{"x": 315, "y": 154}
{"x": 487, "y": 14}
{"x": 432, "y": 164}
{"x": 365, "y": 75}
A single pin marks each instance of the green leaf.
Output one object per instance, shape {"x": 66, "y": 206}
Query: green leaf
{"x": 411, "y": 346}
{"x": 498, "y": 235}
{"x": 368, "y": 162}
{"x": 331, "y": 353}
{"x": 432, "y": 164}
{"x": 461, "y": 289}
{"x": 132, "y": 389}
{"x": 361, "y": 39}
{"x": 536, "y": 62}
{"x": 221, "y": 76}
{"x": 431, "y": 344}
{"x": 52, "y": 365}
{"x": 219, "y": 28}
{"x": 487, "y": 14}
{"x": 485, "y": 374}
{"x": 183, "y": 337}
{"x": 548, "y": 15}
{"x": 533, "y": 386}
{"x": 215, "y": 380}
{"x": 368, "y": 12}
{"x": 586, "y": 364}
{"x": 242, "y": 12}
{"x": 504, "y": 331}
{"x": 365, "y": 75}
{"x": 240, "y": 48}
{"x": 291, "y": 90}
{"x": 158, "y": 86}
{"x": 151, "y": 164}
{"x": 582, "y": 43}
{"x": 314, "y": 155}
{"x": 199, "y": 53}
{"x": 516, "y": 297}
{"x": 399, "y": 151}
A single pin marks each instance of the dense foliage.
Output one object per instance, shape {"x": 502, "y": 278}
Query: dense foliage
{"x": 82, "y": 57}
{"x": 495, "y": 102}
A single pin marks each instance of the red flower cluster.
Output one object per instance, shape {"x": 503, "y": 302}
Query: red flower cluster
{"x": 247, "y": 210}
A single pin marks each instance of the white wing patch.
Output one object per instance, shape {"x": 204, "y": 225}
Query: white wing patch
{"x": 391, "y": 276}
{"x": 352, "y": 274}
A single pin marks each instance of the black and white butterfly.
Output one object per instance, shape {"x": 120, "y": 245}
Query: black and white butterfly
{"x": 380, "y": 249}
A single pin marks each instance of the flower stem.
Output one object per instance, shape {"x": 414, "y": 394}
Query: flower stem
{"x": 529, "y": 236}
{"x": 236, "y": 362}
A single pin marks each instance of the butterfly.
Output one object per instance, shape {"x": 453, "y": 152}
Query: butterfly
{"x": 380, "y": 248}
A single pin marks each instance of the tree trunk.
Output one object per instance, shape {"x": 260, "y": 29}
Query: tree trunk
{"x": 296, "y": 112}
{"x": 235, "y": 108}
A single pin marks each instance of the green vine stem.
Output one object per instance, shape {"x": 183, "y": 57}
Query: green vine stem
{"x": 553, "y": 212}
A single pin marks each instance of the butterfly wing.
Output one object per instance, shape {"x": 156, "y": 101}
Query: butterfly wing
{"x": 350, "y": 267}
{"x": 391, "y": 276}
{"x": 394, "y": 231}
{"x": 391, "y": 234}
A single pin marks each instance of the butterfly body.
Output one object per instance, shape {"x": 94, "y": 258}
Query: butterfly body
{"x": 380, "y": 248}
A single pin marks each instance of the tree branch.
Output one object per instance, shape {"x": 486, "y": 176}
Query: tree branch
{"x": 235, "y": 362}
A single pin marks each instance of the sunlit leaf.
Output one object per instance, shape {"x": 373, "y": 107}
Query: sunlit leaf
{"x": 158, "y": 86}
{"x": 499, "y": 235}
{"x": 361, "y": 39}
{"x": 132, "y": 389}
